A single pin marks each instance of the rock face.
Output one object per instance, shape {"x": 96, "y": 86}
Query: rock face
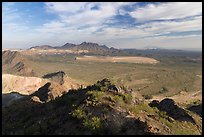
{"x": 59, "y": 83}
{"x": 43, "y": 92}
{"x": 197, "y": 109}
{"x": 172, "y": 109}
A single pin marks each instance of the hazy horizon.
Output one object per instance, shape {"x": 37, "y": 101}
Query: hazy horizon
{"x": 129, "y": 25}
{"x": 148, "y": 47}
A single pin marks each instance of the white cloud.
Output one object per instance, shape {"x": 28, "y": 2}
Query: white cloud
{"x": 88, "y": 21}
{"x": 65, "y": 7}
{"x": 80, "y": 14}
{"x": 173, "y": 26}
{"x": 164, "y": 11}
{"x": 77, "y": 22}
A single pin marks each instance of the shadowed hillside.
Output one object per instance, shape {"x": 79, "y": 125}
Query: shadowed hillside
{"x": 14, "y": 62}
{"x": 102, "y": 108}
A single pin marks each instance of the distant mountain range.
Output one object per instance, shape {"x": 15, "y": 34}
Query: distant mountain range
{"x": 84, "y": 47}
{"x": 69, "y": 46}
{"x": 90, "y": 48}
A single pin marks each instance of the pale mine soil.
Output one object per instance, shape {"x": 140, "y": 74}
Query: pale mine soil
{"x": 28, "y": 85}
{"x": 22, "y": 85}
{"x": 145, "y": 60}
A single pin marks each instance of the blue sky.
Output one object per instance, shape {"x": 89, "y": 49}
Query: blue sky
{"x": 116, "y": 24}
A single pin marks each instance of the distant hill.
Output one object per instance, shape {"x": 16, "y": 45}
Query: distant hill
{"x": 13, "y": 62}
{"x": 42, "y": 47}
{"x": 66, "y": 46}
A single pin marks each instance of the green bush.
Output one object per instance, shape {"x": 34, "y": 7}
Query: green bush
{"x": 104, "y": 89}
{"x": 78, "y": 113}
{"x": 163, "y": 114}
{"x": 127, "y": 98}
{"x": 94, "y": 123}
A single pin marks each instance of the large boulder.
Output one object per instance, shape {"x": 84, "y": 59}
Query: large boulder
{"x": 196, "y": 108}
{"x": 172, "y": 109}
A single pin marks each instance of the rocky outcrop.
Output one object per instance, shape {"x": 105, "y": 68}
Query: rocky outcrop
{"x": 196, "y": 108}
{"x": 43, "y": 92}
{"x": 105, "y": 84}
{"x": 56, "y": 77}
{"x": 172, "y": 109}
{"x": 59, "y": 83}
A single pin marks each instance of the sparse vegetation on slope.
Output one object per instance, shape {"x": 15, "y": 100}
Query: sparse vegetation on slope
{"x": 98, "y": 109}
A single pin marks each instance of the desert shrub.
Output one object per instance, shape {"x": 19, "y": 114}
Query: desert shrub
{"x": 148, "y": 96}
{"x": 78, "y": 113}
{"x": 163, "y": 90}
{"x": 127, "y": 98}
{"x": 104, "y": 89}
{"x": 94, "y": 123}
{"x": 124, "y": 88}
{"x": 163, "y": 114}
{"x": 165, "y": 121}
{"x": 141, "y": 107}
{"x": 118, "y": 99}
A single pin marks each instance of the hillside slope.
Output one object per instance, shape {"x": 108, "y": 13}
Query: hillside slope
{"x": 102, "y": 108}
{"x": 13, "y": 62}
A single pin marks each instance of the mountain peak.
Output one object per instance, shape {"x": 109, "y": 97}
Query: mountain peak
{"x": 88, "y": 43}
{"x": 43, "y": 47}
